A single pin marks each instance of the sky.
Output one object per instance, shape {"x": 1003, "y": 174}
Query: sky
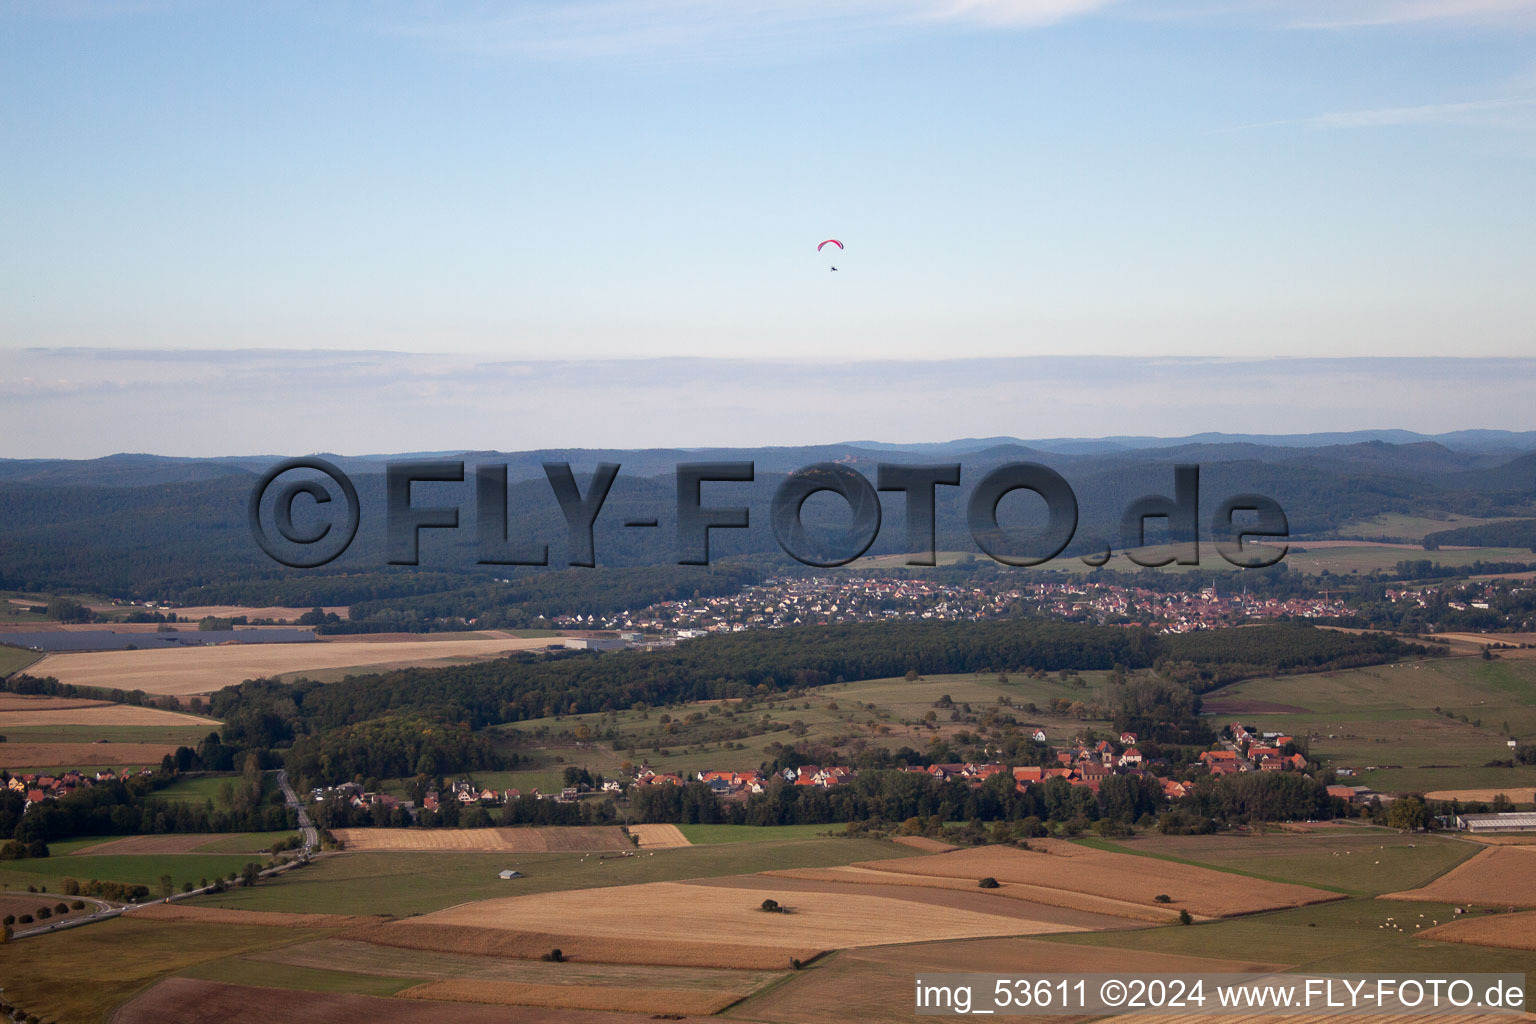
{"x": 577, "y": 184}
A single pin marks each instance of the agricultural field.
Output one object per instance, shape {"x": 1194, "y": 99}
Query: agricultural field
{"x": 16, "y": 710}
{"x": 19, "y": 755}
{"x": 1386, "y": 715}
{"x": 192, "y": 842}
{"x": 1506, "y": 931}
{"x": 484, "y": 840}
{"x": 200, "y": 670}
{"x": 395, "y": 883}
{"x": 1108, "y": 875}
{"x": 1365, "y": 863}
{"x": 1498, "y": 876}
{"x": 14, "y": 659}
{"x": 1411, "y": 529}
{"x": 132, "y": 869}
{"x": 875, "y": 984}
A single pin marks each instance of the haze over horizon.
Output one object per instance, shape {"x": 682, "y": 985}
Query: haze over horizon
{"x": 393, "y": 226}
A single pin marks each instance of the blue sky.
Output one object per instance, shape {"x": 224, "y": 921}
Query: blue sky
{"x": 599, "y": 179}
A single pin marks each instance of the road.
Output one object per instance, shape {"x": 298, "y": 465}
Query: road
{"x": 311, "y": 837}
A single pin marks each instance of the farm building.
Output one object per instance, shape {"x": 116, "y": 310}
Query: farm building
{"x": 509, "y": 874}
{"x": 1515, "y": 821}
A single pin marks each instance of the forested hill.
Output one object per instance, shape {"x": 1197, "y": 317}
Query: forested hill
{"x": 142, "y": 527}
{"x": 268, "y": 713}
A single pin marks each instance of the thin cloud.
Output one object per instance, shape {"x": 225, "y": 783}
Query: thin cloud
{"x": 714, "y": 29}
{"x": 1487, "y": 113}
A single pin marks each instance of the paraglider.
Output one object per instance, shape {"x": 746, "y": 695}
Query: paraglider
{"x": 830, "y": 241}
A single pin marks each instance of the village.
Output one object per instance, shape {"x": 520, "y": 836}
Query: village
{"x": 40, "y": 787}
{"x": 836, "y": 600}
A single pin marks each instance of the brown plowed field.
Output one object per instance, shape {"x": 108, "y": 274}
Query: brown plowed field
{"x": 1498, "y": 876}
{"x": 572, "y": 997}
{"x": 189, "y": 1001}
{"x": 572, "y": 839}
{"x": 1117, "y": 876}
{"x": 530, "y": 945}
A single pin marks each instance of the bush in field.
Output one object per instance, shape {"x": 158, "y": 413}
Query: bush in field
{"x": 554, "y": 956}
{"x": 1184, "y": 917}
{"x": 988, "y": 883}
{"x": 1162, "y": 897}
{"x": 44, "y": 913}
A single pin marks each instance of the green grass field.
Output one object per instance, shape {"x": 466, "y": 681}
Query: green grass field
{"x": 133, "y": 869}
{"x": 415, "y": 883}
{"x": 1408, "y": 528}
{"x": 709, "y": 835}
{"x": 14, "y": 659}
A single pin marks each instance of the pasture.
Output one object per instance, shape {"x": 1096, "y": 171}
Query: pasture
{"x": 199, "y": 670}
{"x": 14, "y": 659}
{"x": 133, "y": 869}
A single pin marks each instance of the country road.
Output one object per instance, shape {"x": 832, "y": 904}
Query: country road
{"x": 311, "y": 837}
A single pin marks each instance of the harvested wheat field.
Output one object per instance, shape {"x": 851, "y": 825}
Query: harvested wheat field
{"x": 925, "y": 844}
{"x": 264, "y": 918}
{"x": 573, "y": 997}
{"x": 95, "y": 713}
{"x": 954, "y": 893}
{"x": 468, "y": 940}
{"x": 557, "y": 839}
{"x": 1052, "y": 864}
{"x": 190, "y": 1001}
{"x": 1039, "y": 895}
{"x": 875, "y": 984}
{"x": 659, "y": 837}
{"x": 1498, "y": 876}
{"x": 193, "y": 670}
{"x": 71, "y": 755}
{"x": 18, "y": 702}
{"x": 1517, "y": 794}
{"x": 1507, "y": 931}
{"x": 673, "y": 911}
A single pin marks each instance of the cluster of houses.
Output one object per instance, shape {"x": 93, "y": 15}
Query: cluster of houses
{"x": 1265, "y": 752}
{"x": 1081, "y": 764}
{"x": 827, "y": 600}
{"x": 40, "y": 787}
